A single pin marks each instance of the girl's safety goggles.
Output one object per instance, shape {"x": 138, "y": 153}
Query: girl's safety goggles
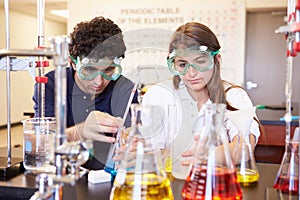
{"x": 204, "y": 62}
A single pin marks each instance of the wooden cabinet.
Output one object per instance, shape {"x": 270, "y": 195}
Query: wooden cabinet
{"x": 274, "y": 135}
{"x": 271, "y": 144}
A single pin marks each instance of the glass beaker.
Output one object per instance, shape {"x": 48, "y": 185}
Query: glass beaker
{"x": 141, "y": 174}
{"x": 287, "y": 178}
{"x": 243, "y": 156}
{"x": 38, "y": 144}
{"x": 213, "y": 174}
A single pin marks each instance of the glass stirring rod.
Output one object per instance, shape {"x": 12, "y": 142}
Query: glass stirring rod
{"x": 110, "y": 166}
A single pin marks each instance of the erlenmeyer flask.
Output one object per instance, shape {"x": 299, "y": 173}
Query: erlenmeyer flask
{"x": 213, "y": 174}
{"x": 247, "y": 172}
{"x": 141, "y": 174}
{"x": 287, "y": 179}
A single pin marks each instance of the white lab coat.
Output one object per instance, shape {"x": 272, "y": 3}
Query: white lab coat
{"x": 188, "y": 120}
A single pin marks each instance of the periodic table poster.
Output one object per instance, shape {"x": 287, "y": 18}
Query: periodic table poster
{"x": 147, "y": 27}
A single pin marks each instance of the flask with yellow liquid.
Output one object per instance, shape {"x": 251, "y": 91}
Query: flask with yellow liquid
{"x": 141, "y": 174}
{"x": 246, "y": 169}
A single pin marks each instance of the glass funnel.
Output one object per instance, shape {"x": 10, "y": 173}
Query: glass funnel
{"x": 213, "y": 174}
{"x": 243, "y": 156}
{"x": 141, "y": 174}
{"x": 287, "y": 179}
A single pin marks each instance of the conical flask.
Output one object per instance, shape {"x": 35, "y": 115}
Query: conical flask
{"x": 212, "y": 174}
{"x": 287, "y": 179}
{"x": 247, "y": 172}
{"x": 141, "y": 174}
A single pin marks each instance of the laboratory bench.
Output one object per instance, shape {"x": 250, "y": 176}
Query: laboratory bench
{"x": 23, "y": 186}
{"x": 268, "y": 153}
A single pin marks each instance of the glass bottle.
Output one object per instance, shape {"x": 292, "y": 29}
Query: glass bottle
{"x": 141, "y": 174}
{"x": 287, "y": 179}
{"x": 243, "y": 156}
{"x": 213, "y": 174}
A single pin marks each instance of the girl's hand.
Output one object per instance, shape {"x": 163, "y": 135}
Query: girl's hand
{"x": 188, "y": 155}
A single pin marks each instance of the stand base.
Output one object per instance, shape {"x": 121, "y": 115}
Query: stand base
{"x": 8, "y": 171}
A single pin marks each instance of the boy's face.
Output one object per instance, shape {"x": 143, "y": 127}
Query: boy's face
{"x": 93, "y": 78}
{"x": 94, "y": 86}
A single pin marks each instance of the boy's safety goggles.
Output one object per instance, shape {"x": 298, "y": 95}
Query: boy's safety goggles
{"x": 88, "y": 69}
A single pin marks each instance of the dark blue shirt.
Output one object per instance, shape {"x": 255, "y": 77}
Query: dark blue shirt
{"x": 80, "y": 104}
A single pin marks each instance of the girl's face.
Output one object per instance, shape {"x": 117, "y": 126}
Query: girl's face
{"x": 193, "y": 78}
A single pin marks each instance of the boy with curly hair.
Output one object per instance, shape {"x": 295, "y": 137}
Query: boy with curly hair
{"x": 97, "y": 93}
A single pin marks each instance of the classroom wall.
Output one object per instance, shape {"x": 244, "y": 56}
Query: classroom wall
{"x": 255, "y": 5}
{"x": 22, "y": 36}
{"x": 147, "y": 27}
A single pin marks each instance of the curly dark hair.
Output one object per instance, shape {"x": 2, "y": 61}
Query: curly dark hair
{"x": 97, "y": 39}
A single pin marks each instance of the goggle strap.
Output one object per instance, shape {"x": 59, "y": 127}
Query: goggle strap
{"x": 213, "y": 53}
{"x": 73, "y": 59}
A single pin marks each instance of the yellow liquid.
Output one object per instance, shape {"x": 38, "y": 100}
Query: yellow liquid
{"x": 248, "y": 177}
{"x": 168, "y": 166}
{"x": 150, "y": 187}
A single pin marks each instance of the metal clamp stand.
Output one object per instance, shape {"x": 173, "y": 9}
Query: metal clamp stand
{"x": 66, "y": 154}
{"x": 287, "y": 179}
{"x": 9, "y": 167}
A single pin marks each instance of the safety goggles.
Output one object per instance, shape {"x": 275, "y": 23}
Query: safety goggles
{"x": 203, "y": 62}
{"x": 88, "y": 69}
